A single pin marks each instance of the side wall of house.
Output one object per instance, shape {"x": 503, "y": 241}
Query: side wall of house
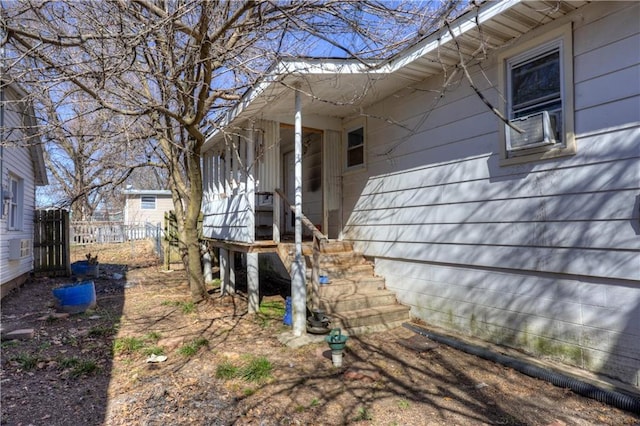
{"x": 543, "y": 256}
{"x": 134, "y": 214}
{"x": 16, "y": 162}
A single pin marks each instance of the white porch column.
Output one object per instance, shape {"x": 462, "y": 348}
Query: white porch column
{"x": 250, "y": 185}
{"x": 227, "y": 182}
{"x": 253, "y": 273}
{"x": 236, "y": 149}
{"x": 298, "y": 286}
{"x": 219, "y": 175}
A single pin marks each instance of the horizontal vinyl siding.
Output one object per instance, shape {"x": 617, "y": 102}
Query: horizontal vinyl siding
{"x": 543, "y": 256}
{"x": 436, "y": 193}
{"x": 17, "y": 161}
{"x": 227, "y": 219}
{"x": 137, "y": 215}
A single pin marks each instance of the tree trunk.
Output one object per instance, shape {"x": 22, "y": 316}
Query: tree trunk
{"x": 193, "y": 264}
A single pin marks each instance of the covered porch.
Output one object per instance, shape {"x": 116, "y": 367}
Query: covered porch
{"x": 257, "y": 195}
{"x": 273, "y": 169}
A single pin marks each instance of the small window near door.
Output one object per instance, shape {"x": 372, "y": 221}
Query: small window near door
{"x": 148, "y": 202}
{"x": 355, "y": 147}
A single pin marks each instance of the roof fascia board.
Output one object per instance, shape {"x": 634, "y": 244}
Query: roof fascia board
{"x": 459, "y": 27}
{"x": 146, "y": 192}
{"x": 34, "y": 145}
{"x": 295, "y": 68}
{"x": 321, "y": 67}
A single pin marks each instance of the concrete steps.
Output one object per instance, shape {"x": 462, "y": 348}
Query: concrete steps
{"x": 355, "y": 299}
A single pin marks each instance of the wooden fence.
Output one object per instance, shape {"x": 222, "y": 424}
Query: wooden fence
{"x": 51, "y": 243}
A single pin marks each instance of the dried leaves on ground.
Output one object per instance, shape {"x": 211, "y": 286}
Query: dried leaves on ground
{"x": 107, "y": 366}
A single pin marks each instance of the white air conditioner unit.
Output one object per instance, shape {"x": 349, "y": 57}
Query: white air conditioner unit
{"x": 19, "y": 248}
{"x": 537, "y": 132}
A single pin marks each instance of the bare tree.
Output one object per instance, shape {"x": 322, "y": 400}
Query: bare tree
{"x": 176, "y": 66}
{"x": 89, "y": 153}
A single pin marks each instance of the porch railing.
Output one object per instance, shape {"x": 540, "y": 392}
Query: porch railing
{"x": 318, "y": 237}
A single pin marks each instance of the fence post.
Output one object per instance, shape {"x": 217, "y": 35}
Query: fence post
{"x": 66, "y": 241}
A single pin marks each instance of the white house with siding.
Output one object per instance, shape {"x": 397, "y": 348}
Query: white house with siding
{"x": 526, "y": 235}
{"x": 21, "y": 170}
{"x": 146, "y": 206}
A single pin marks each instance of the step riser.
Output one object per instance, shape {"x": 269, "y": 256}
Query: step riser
{"x": 353, "y": 298}
{"x": 336, "y": 247}
{"x": 357, "y": 270}
{"x": 337, "y": 306}
{"x": 344, "y": 260}
{"x": 333, "y": 291}
{"x": 387, "y": 318}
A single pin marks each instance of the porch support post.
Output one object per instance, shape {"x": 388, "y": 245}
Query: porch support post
{"x": 224, "y": 271}
{"x": 206, "y": 264}
{"x": 231, "y": 288}
{"x": 253, "y": 273}
{"x": 253, "y": 284}
{"x": 298, "y": 286}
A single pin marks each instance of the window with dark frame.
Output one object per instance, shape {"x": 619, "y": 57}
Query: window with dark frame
{"x": 148, "y": 202}
{"x": 536, "y": 80}
{"x": 15, "y": 204}
{"x": 355, "y": 147}
{"x": 534, "y": 86}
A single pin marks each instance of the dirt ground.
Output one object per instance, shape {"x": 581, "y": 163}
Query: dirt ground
{"x": 224, "y": 367}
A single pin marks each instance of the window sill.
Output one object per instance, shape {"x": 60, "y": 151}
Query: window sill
{"x": 540, "y": 155}
{"x": 354, "y": 169}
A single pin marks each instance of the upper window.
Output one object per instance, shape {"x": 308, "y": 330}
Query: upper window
{"x": 13, "y": 203}
{"x": 355, "y": 147}
{"x": 537, "y": 83}
{"x": 148, "y": 202}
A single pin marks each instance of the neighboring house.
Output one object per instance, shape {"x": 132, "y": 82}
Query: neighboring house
{"x": 530, "y": 240}
{"x": 146, "y": 206}
{"x": 21, "y": 170}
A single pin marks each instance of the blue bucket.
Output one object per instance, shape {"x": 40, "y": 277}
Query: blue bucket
{"x": 287, "y": 319}
{"x": 83, "y": 267}
{"x": 75, "y": 298}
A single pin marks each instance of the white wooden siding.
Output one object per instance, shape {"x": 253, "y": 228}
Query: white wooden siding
{"x": 535, "y": 254}
{"x": 17, "y": 161}
{"x": 227, "y": 213}
{"x": 227, "y": 218}
{"x": 134, "y": 214}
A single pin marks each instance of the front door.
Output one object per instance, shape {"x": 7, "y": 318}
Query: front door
{"x": 312, "y": 203}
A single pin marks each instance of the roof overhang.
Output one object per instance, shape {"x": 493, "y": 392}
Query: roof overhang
{"x": 34, "y": 143}
{"x": 146, "y": 192}
{"x": 341, "y": 88}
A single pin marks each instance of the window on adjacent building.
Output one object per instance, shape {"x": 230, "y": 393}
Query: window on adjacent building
{"x": 355, "y": 147}
{"x": 538, "y": 86}
{"x": 13, "y": 203}
{"x": 148, "y": 202}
